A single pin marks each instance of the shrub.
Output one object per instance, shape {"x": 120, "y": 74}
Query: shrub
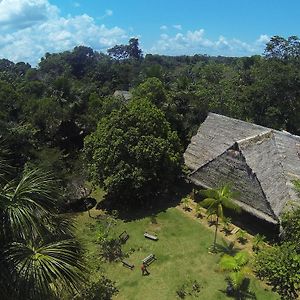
{"x": 190, "y": 288}
{"x": 280, "y": 265}
{"x": 103, "y": 289}
{"x": 186, "y": 203}
{"x": 227, "y": 227}
{"x": 258, "y": 242}
{"x": 241, "y": 236}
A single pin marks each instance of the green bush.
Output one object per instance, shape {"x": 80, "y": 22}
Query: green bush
{"x": 280, "y": 266}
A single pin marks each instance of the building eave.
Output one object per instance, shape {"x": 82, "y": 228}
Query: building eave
{"x": 245, "y": 207}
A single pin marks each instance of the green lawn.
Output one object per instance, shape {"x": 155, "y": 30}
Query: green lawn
{"x": 182, "y": 256}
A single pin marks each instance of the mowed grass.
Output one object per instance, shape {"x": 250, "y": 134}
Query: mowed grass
{"x": 182, "y": 256}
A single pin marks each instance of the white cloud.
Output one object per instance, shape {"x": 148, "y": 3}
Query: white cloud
{"x": 76, "y": 4}
{"x": 18, "y": 14}
{"x": 51, "y": 33}
{"x": 263, "y": 39}
{"x": 192, "y": 42}
{"x": 163, "y": 27}
{"x": 108, "y": 13}
{"x": 178, "y": 27}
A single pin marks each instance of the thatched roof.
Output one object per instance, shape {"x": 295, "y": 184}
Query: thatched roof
{"x": 259, "y": 162}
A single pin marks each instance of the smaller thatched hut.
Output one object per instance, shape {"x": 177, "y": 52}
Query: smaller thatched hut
{"x": 260, "y": 163}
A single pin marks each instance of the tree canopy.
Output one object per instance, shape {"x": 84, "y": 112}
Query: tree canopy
{"x": 133, "y": 153}
{"x": 130, "y": 51}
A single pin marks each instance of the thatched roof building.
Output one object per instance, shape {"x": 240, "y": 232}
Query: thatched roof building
{"x": 260, "y": 163}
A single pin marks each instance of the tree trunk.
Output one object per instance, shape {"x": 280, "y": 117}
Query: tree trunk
{"x": 215, "y": 239}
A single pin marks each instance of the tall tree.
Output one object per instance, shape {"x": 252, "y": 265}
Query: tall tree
{"x": 281, "y": 48}
{"x": 133, "y": 153}
{"x": 131, "y": 50}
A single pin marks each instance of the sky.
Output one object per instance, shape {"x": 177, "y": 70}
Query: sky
{"x": 30, "y": 28}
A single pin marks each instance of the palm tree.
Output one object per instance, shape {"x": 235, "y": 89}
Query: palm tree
{"x": 234, "y": 263}
{"x": 38, "y": 258}
{"x": 237, "y": 281}
{"x": 215, "y": 201}
{"x": 41, "y": 269}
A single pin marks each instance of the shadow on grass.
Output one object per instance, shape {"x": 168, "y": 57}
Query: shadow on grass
{"x": 151, "y": 207}
{"x": 227, "y": 248}
{"x": 78, "y": 205}
{"x": 242, "y": 293}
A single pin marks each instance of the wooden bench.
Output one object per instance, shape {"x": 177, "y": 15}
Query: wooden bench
{"x": 127, "y": 264}
{"x": 149, "y": 259}
{"x": 150, "y": 236}
{"x": 123, "y": 237}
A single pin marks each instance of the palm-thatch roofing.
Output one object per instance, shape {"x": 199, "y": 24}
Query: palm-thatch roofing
{"x": 260, "y": 163}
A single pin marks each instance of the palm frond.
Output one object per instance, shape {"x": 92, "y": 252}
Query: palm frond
{"x": 241, "y": 258}
{"x": 228, "y": 203}
{"x": 225, "y": 190}
{"x": 42, "y": 269}
{"x": 228, "y": 263}
{"x": 38, "y": 186}
{"x": 209, "y": 193}
{"x": 236, "y": 279}
{"x": 57, "y": 227}
{"x": 24, "y": 203}
{"x": 5, "y": 170}
{"x": 208, "y": 202}
{"x": 234, "y": 263}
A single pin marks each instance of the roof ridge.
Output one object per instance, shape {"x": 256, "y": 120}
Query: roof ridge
{"x": 238, "y": 120}
{"x": 276, "y": 131}
{"x": 284, "y": 171}
{"x": 197, "y": 169}
{"x": 253, "y": 171}
{"x": 270, "y": 136}
{"x": 256, "y": 138}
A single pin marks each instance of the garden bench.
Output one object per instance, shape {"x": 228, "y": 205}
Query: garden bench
{"x": 127, "y": 264}
{"x": 150, "y": 236}
{"x": 123, "y": 237}
{"x": 149, "y": 259}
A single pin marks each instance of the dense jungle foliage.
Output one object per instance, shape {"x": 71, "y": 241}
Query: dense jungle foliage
{"x": 47, "y": 111}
